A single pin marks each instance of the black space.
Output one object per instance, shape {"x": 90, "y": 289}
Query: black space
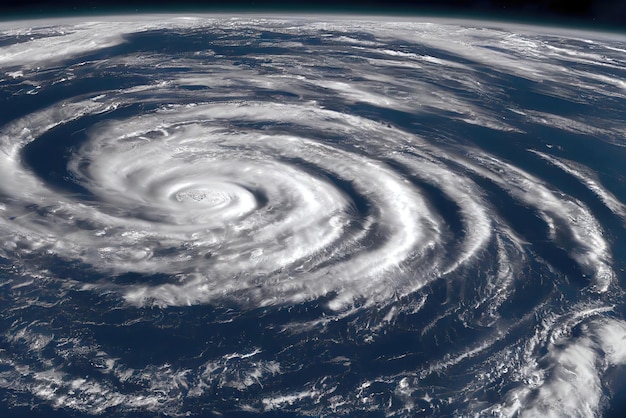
{"x": 590, "y": 13}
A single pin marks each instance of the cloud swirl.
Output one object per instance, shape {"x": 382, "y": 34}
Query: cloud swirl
{"x": 381, "y": 181}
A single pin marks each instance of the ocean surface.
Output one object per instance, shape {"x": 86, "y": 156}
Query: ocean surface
{"x": 311, "y": 216}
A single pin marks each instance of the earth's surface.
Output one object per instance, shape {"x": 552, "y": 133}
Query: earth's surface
{"x": 312, "y": 216}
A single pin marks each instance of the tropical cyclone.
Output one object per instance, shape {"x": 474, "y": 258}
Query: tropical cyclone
{"x": 258, "y": 165}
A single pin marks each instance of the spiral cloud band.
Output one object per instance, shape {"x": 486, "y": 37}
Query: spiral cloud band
{"x": 259, "y": 189}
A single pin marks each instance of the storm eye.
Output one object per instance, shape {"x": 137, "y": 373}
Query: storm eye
{"x": 196, "y": 196}
{"x": 206, "y": 197}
